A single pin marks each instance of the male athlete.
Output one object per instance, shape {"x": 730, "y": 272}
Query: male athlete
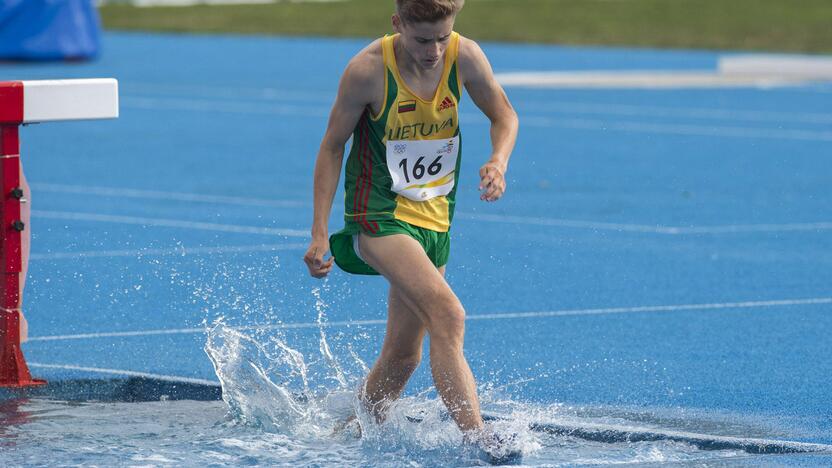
{"x": 399, "y": 99}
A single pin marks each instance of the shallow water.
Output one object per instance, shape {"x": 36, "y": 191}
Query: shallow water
{"x": 281, "y": 407}
{"x": 191, "y": 433}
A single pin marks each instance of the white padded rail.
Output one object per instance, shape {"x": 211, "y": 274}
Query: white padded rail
{"x": 56, "y": 100}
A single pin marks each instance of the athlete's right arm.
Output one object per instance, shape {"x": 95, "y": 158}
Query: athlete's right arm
{"x": 355, "y": 93}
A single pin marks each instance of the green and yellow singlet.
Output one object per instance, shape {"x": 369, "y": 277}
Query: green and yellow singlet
{"x": 404, "y": 161}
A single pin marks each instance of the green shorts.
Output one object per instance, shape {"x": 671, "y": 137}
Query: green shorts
{"x": 344, "y": 244}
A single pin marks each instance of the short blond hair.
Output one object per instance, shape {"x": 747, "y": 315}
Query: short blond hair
{"x": 427, "y": 11}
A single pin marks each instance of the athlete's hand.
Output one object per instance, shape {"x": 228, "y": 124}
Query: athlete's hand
{"x": 314, "y": 258}
{"x": 492, "y": 182}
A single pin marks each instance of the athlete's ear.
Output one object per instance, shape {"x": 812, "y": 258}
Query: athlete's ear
{"x": 397, "y": 23}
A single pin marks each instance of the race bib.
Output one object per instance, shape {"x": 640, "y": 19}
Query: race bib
{"x": 422, "y": 169}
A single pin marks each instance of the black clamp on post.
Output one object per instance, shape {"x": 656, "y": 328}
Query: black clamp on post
{"x": 17, "y": 194}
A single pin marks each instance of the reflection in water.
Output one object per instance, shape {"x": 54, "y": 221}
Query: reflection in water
{"x": 11, "y": 417}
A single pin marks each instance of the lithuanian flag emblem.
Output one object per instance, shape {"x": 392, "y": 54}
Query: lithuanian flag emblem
{"x": 407, "y": 106}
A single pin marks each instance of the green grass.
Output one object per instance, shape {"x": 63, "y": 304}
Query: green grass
{"x": 774, "y": 25}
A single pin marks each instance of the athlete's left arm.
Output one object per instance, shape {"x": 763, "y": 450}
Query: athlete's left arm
{"x": 488, "y": 95}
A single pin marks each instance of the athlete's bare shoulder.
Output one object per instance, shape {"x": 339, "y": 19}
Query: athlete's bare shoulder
{"x": 473, "y": 64}
{"x": 478, "y": 78}
{"x": 364, "y": 76}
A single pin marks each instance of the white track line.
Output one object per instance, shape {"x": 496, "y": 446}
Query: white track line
{"x": 98, "y": 370}
{"x": 645, "y": 79}
{"x": 462, "y": 215}
{"x": 165, "y": 195}
{"x": 678, "y": 129}
{"x": 820, "y": 226}
{"x": 565, "y": 223}
{"x": 322, "y": 97}
{"x": 665, "y": 308}
{"x": 205, "y": 105}
{"x": 644, "y": 228}
{"x": 495, "y": 316}
{"x": 178, "y": 251}
{"x": 230, "y": 107}
{"x": 174, "y": 223}
{"x": 681, "y": 112}
{"x": 261, "y": 94}
{"x": 126, "y": 334}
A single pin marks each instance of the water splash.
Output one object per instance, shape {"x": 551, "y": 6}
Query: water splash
{"x": 266, "y": 388}
{"x": 311, "y": 401}
{"x": 320, "y": 307}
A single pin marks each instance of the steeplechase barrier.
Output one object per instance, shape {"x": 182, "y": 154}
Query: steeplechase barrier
{"x": 23, "y": 103}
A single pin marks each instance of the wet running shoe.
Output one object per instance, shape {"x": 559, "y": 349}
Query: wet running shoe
{"x": 496, "y": 449}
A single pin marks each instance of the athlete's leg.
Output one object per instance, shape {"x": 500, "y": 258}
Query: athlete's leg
{"x": 400, "y": 356}
{"x": 423, "y": 289}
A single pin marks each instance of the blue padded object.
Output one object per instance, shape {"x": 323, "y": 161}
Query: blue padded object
{"x": 49, "y": 30}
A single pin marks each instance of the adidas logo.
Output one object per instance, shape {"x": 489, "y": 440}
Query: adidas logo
{"x": 447, "y": 103}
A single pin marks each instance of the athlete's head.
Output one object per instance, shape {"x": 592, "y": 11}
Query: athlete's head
{"x": 425, "y": 27}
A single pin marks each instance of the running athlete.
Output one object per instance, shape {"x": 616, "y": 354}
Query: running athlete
{"x": 399, "y": 100}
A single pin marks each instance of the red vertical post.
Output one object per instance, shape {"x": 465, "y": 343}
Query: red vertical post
{"x": 13, "y": 369}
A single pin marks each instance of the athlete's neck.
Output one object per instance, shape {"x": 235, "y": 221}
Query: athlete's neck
{"x": 420, "y": 79}
{"x": 413, "y": 67}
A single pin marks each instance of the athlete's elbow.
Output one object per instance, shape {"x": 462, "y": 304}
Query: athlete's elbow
{"x": 506, "y": 119}
{"x": 513, "y": 118}
{"x": 331, "y": 150}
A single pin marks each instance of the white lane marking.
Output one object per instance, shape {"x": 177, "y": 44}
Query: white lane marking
{"x": 125, "y": 334}
{"x": 99, "y": 370}
{"x": 165, "y": 195}
{"x": 174, "y": 223}
{"x": 462, "y": 215}
{"x": 664, "y": 308}
{"x": 531, "y": 120}
{"x": 190, "y": 331}
{"x": 645, "y": 79}
{"x": 819, "y": 226}
{"x": 179, "y": 251}
{"x": 644, "y": 228}
{"x": 603, "y": 108}
{"x": 213, "y": 105}
{"x": 681, "y": 112}
{"x": 324, "y": 96}
{"x": 785, "y": 65}
{"x": 679, "y": 129}
{"x": 495, "y": 316}
{"x": 567, "y": 223}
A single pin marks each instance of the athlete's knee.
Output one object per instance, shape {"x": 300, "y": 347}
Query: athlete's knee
{"x": 446, "y": 319}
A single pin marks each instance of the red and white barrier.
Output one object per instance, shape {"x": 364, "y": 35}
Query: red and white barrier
{"x": 26, "y": 102}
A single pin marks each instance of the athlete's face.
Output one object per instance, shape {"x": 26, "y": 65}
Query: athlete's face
{"x": 425, "y": 42}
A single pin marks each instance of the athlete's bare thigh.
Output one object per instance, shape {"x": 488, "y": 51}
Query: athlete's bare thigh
{"x": 412, "y": 276}
{"x": 405, "y": 330}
